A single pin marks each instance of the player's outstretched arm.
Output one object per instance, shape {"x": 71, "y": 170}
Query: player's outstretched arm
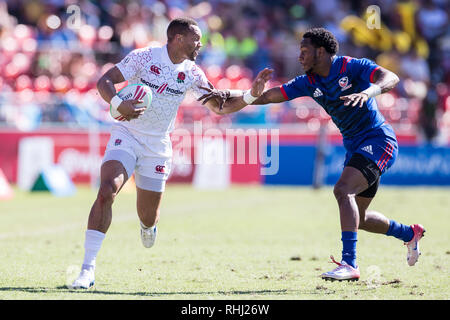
{"x": 384, "y": 80}
{"x": 105, "y": 86}
{"x": 229, "y": 101}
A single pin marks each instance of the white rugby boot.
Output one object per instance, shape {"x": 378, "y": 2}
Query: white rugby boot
{"x": 148, "y": 236}
{"x": 413, "y": 245}
{"x": 85, "y": 280}
{"x": 343, "y": 271}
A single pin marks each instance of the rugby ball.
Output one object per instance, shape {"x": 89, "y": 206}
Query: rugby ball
{"x": 130, "y": 92}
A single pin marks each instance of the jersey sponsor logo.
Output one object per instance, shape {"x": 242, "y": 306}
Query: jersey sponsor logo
{"x": 160, "y": 89}
{"x": 367, "y": 149}
{"x": 174, "y": 91}
{"x": 343, "y": 83}
{"x": 154, "y": 69}
{"x": 151, "y": 85}
{"x": 317, "y": 93}
{"x": 160, "y": 169}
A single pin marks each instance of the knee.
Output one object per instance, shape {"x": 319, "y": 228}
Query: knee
{"x": 342, "y": 191}
{"x": 106, "y": 192}
{"x": 362, "y": 222}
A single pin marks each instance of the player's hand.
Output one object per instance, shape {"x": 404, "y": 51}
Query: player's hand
{"x": 355, "y": 99}
{"x": 128, "y": 109}
{"x": 260, "y": 82}
{"x": 212, "y": 93}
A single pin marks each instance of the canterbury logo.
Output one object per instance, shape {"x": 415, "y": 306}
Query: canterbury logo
{"x": 160, "y": 169}
{"x": 155, "y": 69}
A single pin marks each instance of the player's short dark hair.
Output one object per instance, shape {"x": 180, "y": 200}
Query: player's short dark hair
{"x": 180, "y": 26}
{"x": 321, "y": 37}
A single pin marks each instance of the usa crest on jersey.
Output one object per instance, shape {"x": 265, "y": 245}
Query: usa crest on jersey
{"x": 343, "y": 83}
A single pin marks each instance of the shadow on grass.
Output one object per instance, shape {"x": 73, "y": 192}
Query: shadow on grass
{"x": 64, "y": 289}
{"x": 326, "y": 288}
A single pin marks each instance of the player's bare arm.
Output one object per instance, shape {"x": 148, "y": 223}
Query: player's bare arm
{"x": 105, "y": 86}
{"x": 226, "y": 101}
{"x": 273, "y": 95}
{"x": 384, "y": 80}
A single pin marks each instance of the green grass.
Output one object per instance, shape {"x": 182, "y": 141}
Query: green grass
{"x": 247, "y": 242}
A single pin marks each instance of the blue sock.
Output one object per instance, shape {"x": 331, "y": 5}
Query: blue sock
{"x": 400, "y": 231}
{"x": 349, "y": 239}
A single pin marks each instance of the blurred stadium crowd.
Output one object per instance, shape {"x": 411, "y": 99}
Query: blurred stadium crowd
{"x": 53, "y": 51}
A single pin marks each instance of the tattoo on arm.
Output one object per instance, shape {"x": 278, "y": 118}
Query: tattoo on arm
{"x": 386, "y": 79}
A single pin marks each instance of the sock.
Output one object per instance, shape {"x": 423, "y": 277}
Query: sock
{"x": 92, "y": 244}
{"x": 143, "y": 225}
{"x": 400, "y": 231}
{"x": 349, "y": 239}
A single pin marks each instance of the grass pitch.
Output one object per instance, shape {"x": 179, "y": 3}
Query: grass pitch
{"x": 247, "y": 242}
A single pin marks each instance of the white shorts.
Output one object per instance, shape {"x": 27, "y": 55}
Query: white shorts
{"x": 151, "y": 171}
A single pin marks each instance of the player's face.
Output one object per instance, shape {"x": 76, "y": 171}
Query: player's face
{"x": 308, "y": 55}
{"x": 192, "y": 43}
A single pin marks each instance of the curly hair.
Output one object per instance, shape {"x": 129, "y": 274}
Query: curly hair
{"x": 321, "y": 37}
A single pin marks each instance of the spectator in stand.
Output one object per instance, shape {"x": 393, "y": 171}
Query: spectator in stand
{"x": 246, "y": 34}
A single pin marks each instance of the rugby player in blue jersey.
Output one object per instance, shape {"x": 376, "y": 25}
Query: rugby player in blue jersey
{"x": 345, "y": 87}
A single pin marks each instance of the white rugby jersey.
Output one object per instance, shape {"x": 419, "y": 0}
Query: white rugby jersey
{"x": 169, "y": 83}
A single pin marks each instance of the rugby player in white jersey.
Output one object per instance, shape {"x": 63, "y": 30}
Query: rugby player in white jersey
{"x": 141, "y": 145}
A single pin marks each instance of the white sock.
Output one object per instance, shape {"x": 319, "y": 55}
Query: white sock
{"x": 92, "y": 244}
{"x": 144, "y": 226}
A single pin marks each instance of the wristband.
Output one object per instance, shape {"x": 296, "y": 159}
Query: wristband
{"x": 236, "y": 93}
{"x": 248, "y": 98}
{"x": 115, "y": 102}
{"x": 372, "y": 91}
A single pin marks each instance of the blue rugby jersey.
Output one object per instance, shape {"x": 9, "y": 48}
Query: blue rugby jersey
{"x": 347, "y": 75}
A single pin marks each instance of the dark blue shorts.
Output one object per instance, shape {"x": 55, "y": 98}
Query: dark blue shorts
{"x": 378, "y": 145}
